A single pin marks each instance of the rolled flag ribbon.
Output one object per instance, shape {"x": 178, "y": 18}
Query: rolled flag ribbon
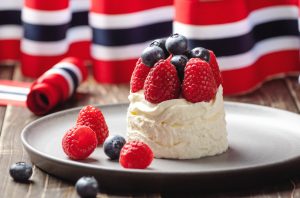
{"x": 45, "y": 25}
{"x": 258, "y": 40}
{"x": 121, "y": 30}
{"x": 56, "y": 85}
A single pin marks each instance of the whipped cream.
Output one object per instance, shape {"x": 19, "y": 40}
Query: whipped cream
{"x": 177, "y": 128}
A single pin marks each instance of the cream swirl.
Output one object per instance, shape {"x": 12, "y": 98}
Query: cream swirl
{"x": 178, "y": 128}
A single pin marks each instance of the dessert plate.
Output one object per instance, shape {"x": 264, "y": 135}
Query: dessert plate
{"x": 264, "y": 145}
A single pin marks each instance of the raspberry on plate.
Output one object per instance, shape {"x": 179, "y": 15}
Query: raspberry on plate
{"x": 198, "y": 84}
{"x": 93, "y": 118}
{"x": 139, "y": 76}
{"x": 162, "y": 83}
{"x": 136, "y": 154}
{"x": 79, "y": 142}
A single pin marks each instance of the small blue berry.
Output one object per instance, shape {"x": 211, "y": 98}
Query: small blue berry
{"x": 179, "y": 61}
{"x": 162, "y": 44}
{"x": 113, "y": 145}
{"x": 200, "y": 52}
{"x": 20, "y": 171}
{"x": 151, "y": 55}
{"x": 176, "y": 44}
{"x": 87, "y": 187}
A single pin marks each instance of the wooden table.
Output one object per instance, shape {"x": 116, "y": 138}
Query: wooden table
{"x": 282, "y": 94}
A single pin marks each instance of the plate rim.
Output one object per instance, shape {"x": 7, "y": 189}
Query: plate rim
{"x": 79, "y": 164}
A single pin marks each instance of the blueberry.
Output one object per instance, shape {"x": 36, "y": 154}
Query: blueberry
{"x": 188, "y": 54}
{"x": 176, "y": 44}
{"x": 113, "y": 145}
{"x": 151, "y": 55}
{"x": 179, "y": 61}
{"x": 200, "y": 52}
{"x": 162, "y": 44}
{"x": 87, "y": 187}
{"x": 20, "y": 171}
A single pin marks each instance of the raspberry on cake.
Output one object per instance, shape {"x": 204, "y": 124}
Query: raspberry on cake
{"x": 179, "y": 112}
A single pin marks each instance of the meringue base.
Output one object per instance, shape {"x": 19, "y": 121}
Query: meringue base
{"x": 178, "y": 129}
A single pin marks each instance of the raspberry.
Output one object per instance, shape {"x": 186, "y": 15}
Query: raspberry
{"x": 139, "y": 76}
{"x": 215, "y": 68}
{"x": 79, "y": 142}
{"x": 198, "y": 83}
{"x": 136, "y": 154}
{"x": 93, "y": 118}
{"x": 162, "y": 83}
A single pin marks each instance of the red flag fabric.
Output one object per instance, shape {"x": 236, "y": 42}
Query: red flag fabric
{"x": 254, "y": 40}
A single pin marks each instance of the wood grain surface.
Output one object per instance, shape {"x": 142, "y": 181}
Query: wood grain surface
{"x": 282, "y": 94}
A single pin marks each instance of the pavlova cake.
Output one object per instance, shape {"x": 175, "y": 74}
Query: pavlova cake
{"x": 176, "y": 101}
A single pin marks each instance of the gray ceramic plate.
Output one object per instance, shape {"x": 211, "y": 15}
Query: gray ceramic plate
{"x": 264, "y": 145}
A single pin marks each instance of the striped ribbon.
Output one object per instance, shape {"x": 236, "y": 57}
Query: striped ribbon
{"x": 10, "y": 29}
{"x": 55, "y": 86}
{"x": 254, "y": 40}
{"x": 13, "y": 92}
{"x": 121, "y": 30}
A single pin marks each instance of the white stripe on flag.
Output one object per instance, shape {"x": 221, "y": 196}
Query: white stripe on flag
{"x": 260, "y": 49}
{"x": 65, "y": 75}
{"x": 80, "y": 33}
{"x": 11, "y": 4}
{"x": 118, "y": 53}
{"x": 72, "y": 67}
{"x": 79, "y": 5}
{"x": 21, "y": 90}
{"x": 40, "y": 17}
{"x": 11, "y": 32}
{"x": 37, "y": 48}
{"x": 237, "y": 28}
{"x": 16, "y": 97}
{"x": 119, "y": 21}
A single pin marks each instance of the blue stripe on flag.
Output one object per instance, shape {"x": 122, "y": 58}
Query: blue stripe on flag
{"x": 117, "y": 37}
{"x": 244, "y": 43}
{"x": 10, "y": 17}
{"x": 45, "y": 32}
{"x": 79, "y": 19}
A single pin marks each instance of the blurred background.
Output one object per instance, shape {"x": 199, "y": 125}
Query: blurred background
{"x": 254, "y": 40}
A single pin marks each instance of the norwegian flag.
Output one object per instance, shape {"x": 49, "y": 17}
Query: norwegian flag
{"x": 121, "y": 30}
{"x": 254, "y": 40}
{"x": 10, "y": 30}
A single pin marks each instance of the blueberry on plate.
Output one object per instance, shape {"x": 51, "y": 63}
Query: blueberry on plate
{"x": 113, "y": 145}
{"x": 20, "y": 171}
{"x": 162, "y": 44}
{"x": 179, "y": 61}
{"x": 151, "y": 55}
{"x": 200, "y": 52}
{"x": 87, "y": 187}
{"x": 176, "y": 44}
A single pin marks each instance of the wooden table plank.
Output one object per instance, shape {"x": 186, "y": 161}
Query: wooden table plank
{"x": 274, "y": 94}
{"x": 6, "y": 73}
{"x": 279, "y": 94}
